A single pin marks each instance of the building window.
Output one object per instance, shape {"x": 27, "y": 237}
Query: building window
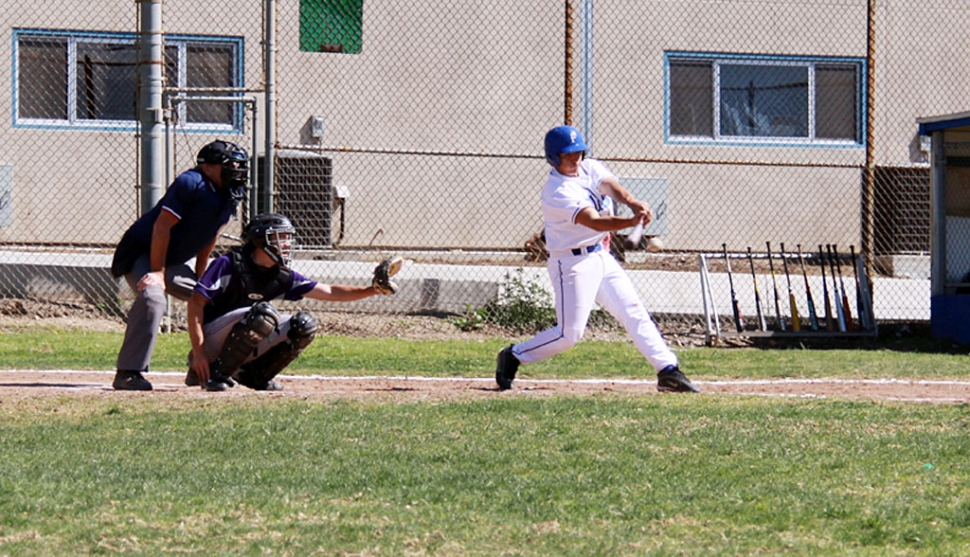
{"x": 331, "y": 25}
{"x": 89, "y": 80}
{"x": 748, "y": 99}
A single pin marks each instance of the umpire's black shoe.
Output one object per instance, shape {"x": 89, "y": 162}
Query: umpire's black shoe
{"x": 671, "y": 380}
{"x": 508, "y": 364}
{"x": 130, "y": 381}
{"x": 191, "y": 378}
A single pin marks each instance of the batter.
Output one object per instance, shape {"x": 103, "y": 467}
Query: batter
{"x": 577, "y": 206}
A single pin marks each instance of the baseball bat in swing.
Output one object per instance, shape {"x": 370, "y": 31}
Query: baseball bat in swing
{"x": 757, "y": 294}
{"x": 796, "y": 323}
{"x": 812, "y": 314}
{"x": 829, "y": 322}
{"x": 846, "y": 309}
{"x": 633, "y": 239}
{"x": 839, "y": 311}
{"x": 738, "y": 318}
{"x": 774, "y": 286}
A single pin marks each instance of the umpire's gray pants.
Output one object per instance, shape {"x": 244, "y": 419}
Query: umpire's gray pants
{"x": 145, "y": 316}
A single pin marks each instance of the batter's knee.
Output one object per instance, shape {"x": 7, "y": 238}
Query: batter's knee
{"x": 572, "y": 336}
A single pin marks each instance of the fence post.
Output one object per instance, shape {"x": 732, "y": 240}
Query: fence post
{"x": 150, "y": 69}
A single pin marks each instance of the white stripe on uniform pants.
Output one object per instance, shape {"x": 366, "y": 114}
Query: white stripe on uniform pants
{"x": 579, "y": 282}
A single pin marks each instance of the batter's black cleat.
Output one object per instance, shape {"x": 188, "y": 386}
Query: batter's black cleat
{"x": 130, "y": 381}
{"x": 671, "y": 380}
{"x": 508, "y": 364}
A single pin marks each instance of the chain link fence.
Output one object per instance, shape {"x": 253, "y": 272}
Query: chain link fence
{"x": 416, "y": 129}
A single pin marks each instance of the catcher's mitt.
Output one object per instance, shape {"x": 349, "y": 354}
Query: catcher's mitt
{"x": 382, "y": 275}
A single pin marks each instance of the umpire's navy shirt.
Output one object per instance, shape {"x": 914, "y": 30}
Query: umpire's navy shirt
{"x": 202, "y": 210}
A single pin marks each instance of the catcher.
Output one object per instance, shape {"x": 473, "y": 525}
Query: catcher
{"x": 237, "y": 335}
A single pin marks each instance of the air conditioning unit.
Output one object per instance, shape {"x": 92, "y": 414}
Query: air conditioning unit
{"x": 303, "y": 191}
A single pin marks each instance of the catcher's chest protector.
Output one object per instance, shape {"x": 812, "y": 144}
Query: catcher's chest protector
{"x": 253, "y": 285}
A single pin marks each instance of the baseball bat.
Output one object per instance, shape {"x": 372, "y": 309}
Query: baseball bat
{"x": 757, "y": 294}
{"x": 829, "y": 322}
{"x": 774, "y": 286}
{"x": 738, "y": 318}
{"x": 859, "y": 303}
{"x": 812, "y": 314}
{"x": 633, "y": 239}
{"x": 846, "y": 309}
{"x": 839, "y": 311}
{"x": 796, "y": 323}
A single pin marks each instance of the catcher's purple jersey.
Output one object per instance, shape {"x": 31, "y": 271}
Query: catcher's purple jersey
{"x": 219, "y": 285}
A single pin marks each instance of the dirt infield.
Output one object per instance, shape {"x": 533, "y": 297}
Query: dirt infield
{"x": 21, "y": 384}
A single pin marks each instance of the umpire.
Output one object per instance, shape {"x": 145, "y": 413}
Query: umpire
{"x": 153, "y": 253}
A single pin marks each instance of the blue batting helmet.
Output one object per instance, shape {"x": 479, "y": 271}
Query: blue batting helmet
{"x": 561, "y": 140}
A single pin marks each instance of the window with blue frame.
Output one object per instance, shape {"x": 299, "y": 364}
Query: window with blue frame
{"x": 89, "y": 80}
{"x": 762, "y": 99}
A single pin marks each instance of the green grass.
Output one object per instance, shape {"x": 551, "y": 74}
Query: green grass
{"x": 58, "y": 349}
{"x": 597, "y": 475}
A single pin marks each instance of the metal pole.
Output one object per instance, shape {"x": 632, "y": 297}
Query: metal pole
{"x": 869, "y": 181}
{"x": 151, "y": 117}
{"x": 269, "y": 54}
{"x": 568, "y": 70}
{"x": 937, "y": 215}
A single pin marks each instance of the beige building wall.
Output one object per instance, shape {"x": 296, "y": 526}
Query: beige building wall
{"x": 382, "y": 100}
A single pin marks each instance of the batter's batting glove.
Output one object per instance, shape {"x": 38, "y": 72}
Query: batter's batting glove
{"x": 382, "y": 283}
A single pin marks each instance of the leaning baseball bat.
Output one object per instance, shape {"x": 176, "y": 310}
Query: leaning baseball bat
{"x": 774, "y": 286}
{"x": 633, "y": 239}
{"x": 738, "y": 318}
{"x": 757, "y": 294}
{"x": 839, "y": 311}
{"x": 860, "y": 304}
{"x": 846, "y": 309}
{"x": 796, "y": 323}
{"x": 812, "y": 314}
{"x": 829, "y": 322}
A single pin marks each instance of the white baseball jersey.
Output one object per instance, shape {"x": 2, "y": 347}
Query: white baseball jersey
{"x": 563, "y": 197}
{"x": 585, "y": 277}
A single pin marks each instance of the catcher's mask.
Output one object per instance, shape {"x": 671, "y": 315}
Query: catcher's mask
{"x": 275, "y": 234}
{"x": 234, "y": 161}
{"x": 561, "y": 140}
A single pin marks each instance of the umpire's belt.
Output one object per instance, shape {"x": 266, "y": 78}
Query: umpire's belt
{"x": 587, "y": 249}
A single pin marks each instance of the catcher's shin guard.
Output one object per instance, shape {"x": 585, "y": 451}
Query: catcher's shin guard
{"x": 259, "y": 373}
{"x": 261, "y": 320}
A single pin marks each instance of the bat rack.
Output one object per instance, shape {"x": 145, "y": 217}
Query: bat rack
{"x": 776, "y": 321}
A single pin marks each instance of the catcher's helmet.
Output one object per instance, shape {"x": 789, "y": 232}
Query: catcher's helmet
{"x": 266, "y": 230}
{"x": 561, "y": 140}
{"x": 235, "y": 165}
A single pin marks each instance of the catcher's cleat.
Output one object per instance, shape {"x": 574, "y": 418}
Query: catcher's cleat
{"x": 671, "y": 380}
{"x": 248, "y": 377}
{"x": 191, "y": 378}
{"x": 508, "y": 364}
{"x": 218, "y": 382}
{"x": 130, "y": 381}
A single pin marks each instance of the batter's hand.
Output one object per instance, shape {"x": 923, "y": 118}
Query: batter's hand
{"x": 154, "y": 278}
{"x": 642, "y": 210}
